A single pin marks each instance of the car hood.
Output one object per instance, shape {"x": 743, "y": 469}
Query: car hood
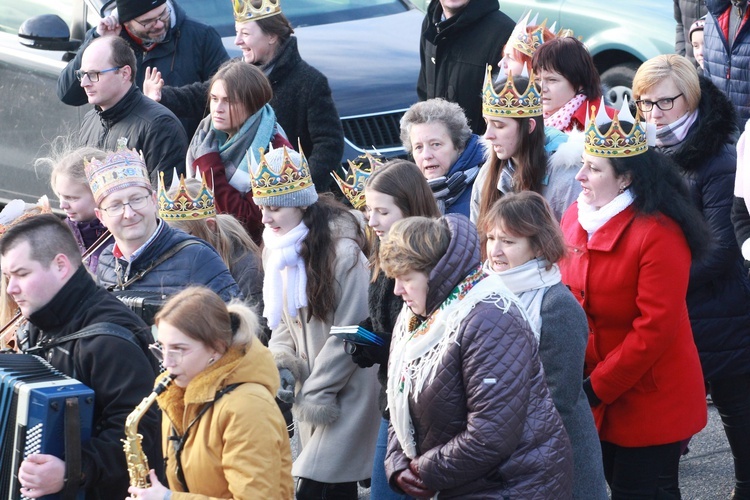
{"x": 376, "y": 77}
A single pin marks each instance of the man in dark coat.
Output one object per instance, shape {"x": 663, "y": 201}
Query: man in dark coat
{"x": 162, "y": 37}
{"x": 148, "y": 255}
{"x": 53, "y": 289}
{"x": 123, "y": 114}
{"x": 459, "y": 39}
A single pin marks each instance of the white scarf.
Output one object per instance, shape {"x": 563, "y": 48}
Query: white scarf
{"x": 592, "y": 219}
{"x": 414, "y": 360}
{"x": 530, "y": 282}
{"x": 284, "y": 261}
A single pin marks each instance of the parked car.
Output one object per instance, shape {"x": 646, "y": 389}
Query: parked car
{"x": 368, "y": 49}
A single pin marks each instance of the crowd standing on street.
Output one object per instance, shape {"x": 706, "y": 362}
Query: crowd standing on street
{"x": 536, "y": 307}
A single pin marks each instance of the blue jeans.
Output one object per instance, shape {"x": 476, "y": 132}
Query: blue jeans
{"x": 379, "y": 489}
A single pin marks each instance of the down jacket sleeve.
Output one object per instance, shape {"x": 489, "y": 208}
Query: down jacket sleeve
{"x": 497, "y": 366}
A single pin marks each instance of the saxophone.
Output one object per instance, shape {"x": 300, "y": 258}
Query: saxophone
{"x": 137, "y": 461}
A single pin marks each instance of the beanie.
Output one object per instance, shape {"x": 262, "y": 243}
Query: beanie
{"x": 130, "y": 9}
{"x": 282, "y": 179}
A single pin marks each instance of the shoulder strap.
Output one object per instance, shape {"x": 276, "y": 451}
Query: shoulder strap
{"x": 163, "y": 257}
{"x": 93, "y": 330}
{"x": 179, "y": 441}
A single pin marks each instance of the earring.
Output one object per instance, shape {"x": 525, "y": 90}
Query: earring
{"x": 211, "y": 360}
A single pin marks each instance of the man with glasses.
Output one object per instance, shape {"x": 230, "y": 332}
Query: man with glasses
{"x": 42, "y": 266}
{"x": 162, "y": 37}
{"x": 148, "y": 255}
{"x": 123, "y": 114}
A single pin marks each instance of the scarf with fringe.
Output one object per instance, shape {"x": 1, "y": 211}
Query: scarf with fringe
{"x": 416, "y": 354}
{"x": 592, "y": 219}
{"x": 285, "y": 274}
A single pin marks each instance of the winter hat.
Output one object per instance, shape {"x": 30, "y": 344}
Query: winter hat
{"x": 282, "y": 179}
{"x": 130, "y": 9}
{"x": 696, "y": 26}
{"x": 119, "y": 170}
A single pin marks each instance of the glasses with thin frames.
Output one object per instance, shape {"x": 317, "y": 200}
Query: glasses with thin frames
{"x": 174, "y": 355}
{"x": 149, "y": 23}
{"x": 663, "y": 104}
{"x": 119, "y": 208}
{"x": 94, "y": 75}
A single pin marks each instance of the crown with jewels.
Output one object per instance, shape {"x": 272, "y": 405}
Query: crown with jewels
{"x": 278, "y": 181}
{"x": 118, "y": 170}
{"x": 181, "y": 206}
{"x": 525, "y": 42}
{"x": 615, "y": 143}
{"x": 353, "y": 183}
{"x": 509, "y": 103}
{"x": 244, "y": 10}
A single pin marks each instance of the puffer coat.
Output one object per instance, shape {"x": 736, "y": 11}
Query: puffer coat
{"x": 718, "y": 295}
{"x": 485, "y": 426}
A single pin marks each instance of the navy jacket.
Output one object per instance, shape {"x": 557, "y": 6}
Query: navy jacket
{"x": 728, "y": 67}
{"x": 192, "y": 52}
{"x": 718, "y": 296}
{"x": 197, "y": 264}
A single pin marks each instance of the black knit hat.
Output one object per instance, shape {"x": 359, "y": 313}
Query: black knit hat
{"x": 130, "y": 9}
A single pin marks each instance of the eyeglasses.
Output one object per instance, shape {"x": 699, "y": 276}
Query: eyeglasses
{"x": 174, "y": 356}
{"x": 663, "y": 104}
{"x": 149, "y": 23}
{"x": 119, "y": 208}
{"x": 93, "y": 75}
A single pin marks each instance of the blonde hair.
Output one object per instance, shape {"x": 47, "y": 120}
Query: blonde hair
{"x": 199, "y": 313}
{"x": 681, "y": 71}
{"x": 69, "y": 162}
{"x": 414, "y": 244}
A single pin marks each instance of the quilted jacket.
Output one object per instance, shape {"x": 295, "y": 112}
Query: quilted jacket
{"x": 719, "y": 290}
{"x": 486, "y": 426}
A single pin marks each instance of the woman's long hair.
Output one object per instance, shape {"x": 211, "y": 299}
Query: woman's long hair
{"x": 402, "y": 180}
{"x": 319, "y": 253}
{"x": 658, "y": 187}
{"x": 530, "y": 162}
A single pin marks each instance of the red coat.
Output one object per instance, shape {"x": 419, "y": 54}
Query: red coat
{"x": 631, "y": 279}
{"x": 579, "y": 120}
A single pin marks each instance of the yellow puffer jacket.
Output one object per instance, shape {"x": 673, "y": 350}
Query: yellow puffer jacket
{"x": 240, "y": 447}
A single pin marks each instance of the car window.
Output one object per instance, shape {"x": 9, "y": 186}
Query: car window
{"x": 14, "y": 13}
{"x": 218, "y": 13}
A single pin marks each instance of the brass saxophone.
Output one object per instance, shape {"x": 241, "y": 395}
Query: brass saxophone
{"x": 137, "y": 461}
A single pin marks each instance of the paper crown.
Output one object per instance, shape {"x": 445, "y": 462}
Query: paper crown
{"x": 509, "y": 103}
{"x": 527, "y": 42}
{"x": 244, "y": 10}
{"x": 615, "y": 143}
{"x": 278, "y": 181}
{"x": 182, "y": 206}
{"x": 119, "y": 169}
{"x": 353, "y": 183}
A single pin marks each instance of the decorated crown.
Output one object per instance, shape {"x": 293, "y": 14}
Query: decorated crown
{"x": 182, "y": 206}
{"x": 244, "y": 10}
{"x": 280, "y": 182}
{"x": 119, "y": 169}
{"x": 615, "y": 143}
{"x": 525, "y": 42}
{"x": 509, "y": 103}
{"x": 353, "y": 183}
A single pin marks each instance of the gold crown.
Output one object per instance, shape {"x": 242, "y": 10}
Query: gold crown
{"x": 353, "y": 183}
{"x": 525, "y": 42}
{"x": 509, "y": 103}
{"x": 615, "y": 143}
{"x": 183, "y": 207}
{"x": 290, "y": 185}
{"x": 244, "y": 10}
{"x": 119, "y": 169}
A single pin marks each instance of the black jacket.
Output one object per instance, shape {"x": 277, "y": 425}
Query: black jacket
{"x": 454, "y": 54}
{"x": 192, "y": 53}
{"x": 120, "y": 372}
{"x": 303, "y": 105}
{"x": 148, "y": 126}
{"x": 719, "y": 290}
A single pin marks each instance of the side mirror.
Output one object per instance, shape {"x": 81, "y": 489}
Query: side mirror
{"x": 47, "y": 32}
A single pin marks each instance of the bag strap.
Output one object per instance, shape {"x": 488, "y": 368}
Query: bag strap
{"x": 154, "y": 263}
{"x": 102, "y": 328}
{"x": 178, "y": 442}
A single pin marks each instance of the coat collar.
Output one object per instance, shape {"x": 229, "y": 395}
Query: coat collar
{"x": 607, "y": 236}
{"x": 66, "y": 303}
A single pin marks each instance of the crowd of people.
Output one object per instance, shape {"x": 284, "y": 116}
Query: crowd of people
{"x": 536, "y": 306}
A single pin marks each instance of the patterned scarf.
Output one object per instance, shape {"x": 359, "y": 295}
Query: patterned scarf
{"x": 561, "y": 118}
{"x": 675, "y": 132}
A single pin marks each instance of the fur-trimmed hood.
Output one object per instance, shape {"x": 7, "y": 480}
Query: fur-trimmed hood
{"x": 714, "y": 128}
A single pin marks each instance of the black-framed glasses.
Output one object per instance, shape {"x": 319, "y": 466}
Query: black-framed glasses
{"x": 119, "y": 208}
{"x": 94, "y": 75}
{"x": 149, "y": 23}
{"x": 663, "y": 104}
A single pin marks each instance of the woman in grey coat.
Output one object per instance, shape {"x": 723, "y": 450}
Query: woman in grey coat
{"x": 524, "y": 242}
